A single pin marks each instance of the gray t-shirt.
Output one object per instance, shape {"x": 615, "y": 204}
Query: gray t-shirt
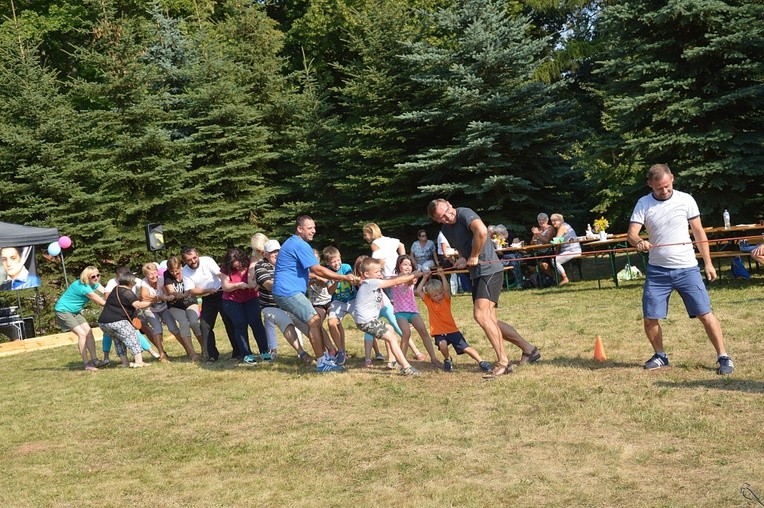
{"x": 368, "y": 301}
{"x": 460, "y": 237}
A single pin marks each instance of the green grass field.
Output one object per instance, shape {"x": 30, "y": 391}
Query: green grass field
{"x": 567, "y": 431}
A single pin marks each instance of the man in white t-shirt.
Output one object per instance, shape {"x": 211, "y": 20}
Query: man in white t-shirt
{"x": 204, "y": 272}
{"x": 666, "y": 214}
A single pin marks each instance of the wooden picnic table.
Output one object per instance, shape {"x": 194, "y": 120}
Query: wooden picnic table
{"x": 618, "y": 243}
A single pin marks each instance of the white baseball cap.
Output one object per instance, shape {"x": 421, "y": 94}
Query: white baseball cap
{"x": 271, "y": 245}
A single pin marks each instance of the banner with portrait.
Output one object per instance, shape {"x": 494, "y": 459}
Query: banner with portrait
{"x": 18, "y": 269}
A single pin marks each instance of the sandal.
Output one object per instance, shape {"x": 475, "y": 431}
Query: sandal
{"x": 531, "y": 357}
{"x": 99, "y": 363}
{"x": 90, "y": 367}
{"x": 305, "y": 357}
{"x": 498, "y": 370}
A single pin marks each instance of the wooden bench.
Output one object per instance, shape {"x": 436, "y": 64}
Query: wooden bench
{"x": 727, "y": 254}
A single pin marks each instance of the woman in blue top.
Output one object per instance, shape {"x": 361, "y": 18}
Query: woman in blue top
{"x": 69, "y": 313}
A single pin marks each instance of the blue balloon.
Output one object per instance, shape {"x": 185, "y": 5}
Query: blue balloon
{"x": 54, "y": 249}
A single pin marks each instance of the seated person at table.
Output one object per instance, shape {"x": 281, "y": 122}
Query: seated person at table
{"x": 569, "y": 248}
{"x": 543, "y": 234}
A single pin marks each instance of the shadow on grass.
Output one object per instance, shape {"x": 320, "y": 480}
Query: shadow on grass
{"x": 587, "y": 363}
{"x": 721, "y": 383}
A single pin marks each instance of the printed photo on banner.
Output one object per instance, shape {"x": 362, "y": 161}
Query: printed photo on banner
{"x": 17, "y": 268}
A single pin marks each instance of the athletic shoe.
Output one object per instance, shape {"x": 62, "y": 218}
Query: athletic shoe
{"x": 341, "y": 357}
{"x": 485, "y": 366}
{"x": 656, "y": 362}
{"x": 380, "y": 357}
{"x": 250, "y": 360}
{"x": 447, "y": 366}
{"x": 266, "y": 357}
{"x": 725, "y": 366}
{"x": 329, "y": 366}
{"x": 410, "y": 371}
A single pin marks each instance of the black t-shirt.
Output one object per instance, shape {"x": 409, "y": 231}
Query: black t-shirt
{"x": 112, "y": 311}
{"x": 180, "y": 287}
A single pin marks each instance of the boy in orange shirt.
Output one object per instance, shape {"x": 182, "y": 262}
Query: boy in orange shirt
{"x": 437, "y": 297}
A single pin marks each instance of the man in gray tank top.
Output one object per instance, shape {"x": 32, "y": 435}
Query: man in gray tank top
{"x": 467, "y": 233}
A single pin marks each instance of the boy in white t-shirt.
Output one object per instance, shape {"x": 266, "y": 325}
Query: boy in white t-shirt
{"x": 369, "y": 301}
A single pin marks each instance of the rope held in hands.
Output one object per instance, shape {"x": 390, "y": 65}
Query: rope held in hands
{"x": 448, "y": 271}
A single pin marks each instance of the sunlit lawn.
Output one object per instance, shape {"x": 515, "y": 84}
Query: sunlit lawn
{"x": 566, "y": 431}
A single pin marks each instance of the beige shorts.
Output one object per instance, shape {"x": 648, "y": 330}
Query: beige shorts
{"x": 69, "y": 320}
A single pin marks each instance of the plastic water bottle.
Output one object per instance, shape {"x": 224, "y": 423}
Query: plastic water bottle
{"x": 589, "y": 232}
{"x": 726, "y": 216}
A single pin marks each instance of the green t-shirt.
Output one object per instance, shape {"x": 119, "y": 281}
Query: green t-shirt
{"x": 75, "y": 298}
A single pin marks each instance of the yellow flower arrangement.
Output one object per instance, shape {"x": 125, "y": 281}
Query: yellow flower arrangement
{"x": 601, "y": 224}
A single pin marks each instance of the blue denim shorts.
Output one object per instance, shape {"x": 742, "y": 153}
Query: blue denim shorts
{"x": 298, "y": 305}
{"x": 662, "y": 281}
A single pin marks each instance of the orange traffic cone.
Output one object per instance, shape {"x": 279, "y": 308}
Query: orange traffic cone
{"x": 599, "y": 350}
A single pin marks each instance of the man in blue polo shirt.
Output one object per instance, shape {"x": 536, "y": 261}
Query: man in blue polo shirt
{"x": 295, "y": 264}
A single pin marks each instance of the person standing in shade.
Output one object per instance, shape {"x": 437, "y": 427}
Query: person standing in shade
{"x": 295, "y": 263}
{"x": 204, "y": 272}
{"x": 666, "y": 213}
{"x": 465, "y": 231}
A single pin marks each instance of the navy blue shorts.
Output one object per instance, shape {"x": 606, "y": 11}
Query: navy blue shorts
{"x": 455, "y": 339}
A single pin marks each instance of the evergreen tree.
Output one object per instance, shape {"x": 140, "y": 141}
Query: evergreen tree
{"x": 224, "y": 113}
{"x": 128, "y": 171}
{"x": 35, "y": 136}
{"x": 494, "y": 137}
{"x": 682, "y": 84}
{"x": 376, "y": 85}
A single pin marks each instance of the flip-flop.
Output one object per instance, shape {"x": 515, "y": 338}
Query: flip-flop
{"x": 498, "y": 370}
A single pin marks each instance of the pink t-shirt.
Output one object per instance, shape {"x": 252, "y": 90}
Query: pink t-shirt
{"x": 240, "y": 295}
{"x": 403, "y": 298}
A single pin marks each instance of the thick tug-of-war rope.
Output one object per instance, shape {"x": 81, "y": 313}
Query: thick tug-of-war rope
{"x": 448, "y": 271}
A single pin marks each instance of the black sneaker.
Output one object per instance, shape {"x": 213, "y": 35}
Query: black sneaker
{"x": 447, "y": 366}
{"x": 725, "y": 366}
{"x": 656, "y": 362}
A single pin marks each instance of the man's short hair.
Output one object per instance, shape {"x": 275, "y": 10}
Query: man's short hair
{"x": 543, "y": 216}
{"x": 301, "y": 220}
{"x": 657, "y": 171}
{"x": 433, "y": 205}
{"x": 188, "y": 249}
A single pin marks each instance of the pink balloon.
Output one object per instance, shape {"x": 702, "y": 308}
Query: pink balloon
{"x": 65, "y": 242}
